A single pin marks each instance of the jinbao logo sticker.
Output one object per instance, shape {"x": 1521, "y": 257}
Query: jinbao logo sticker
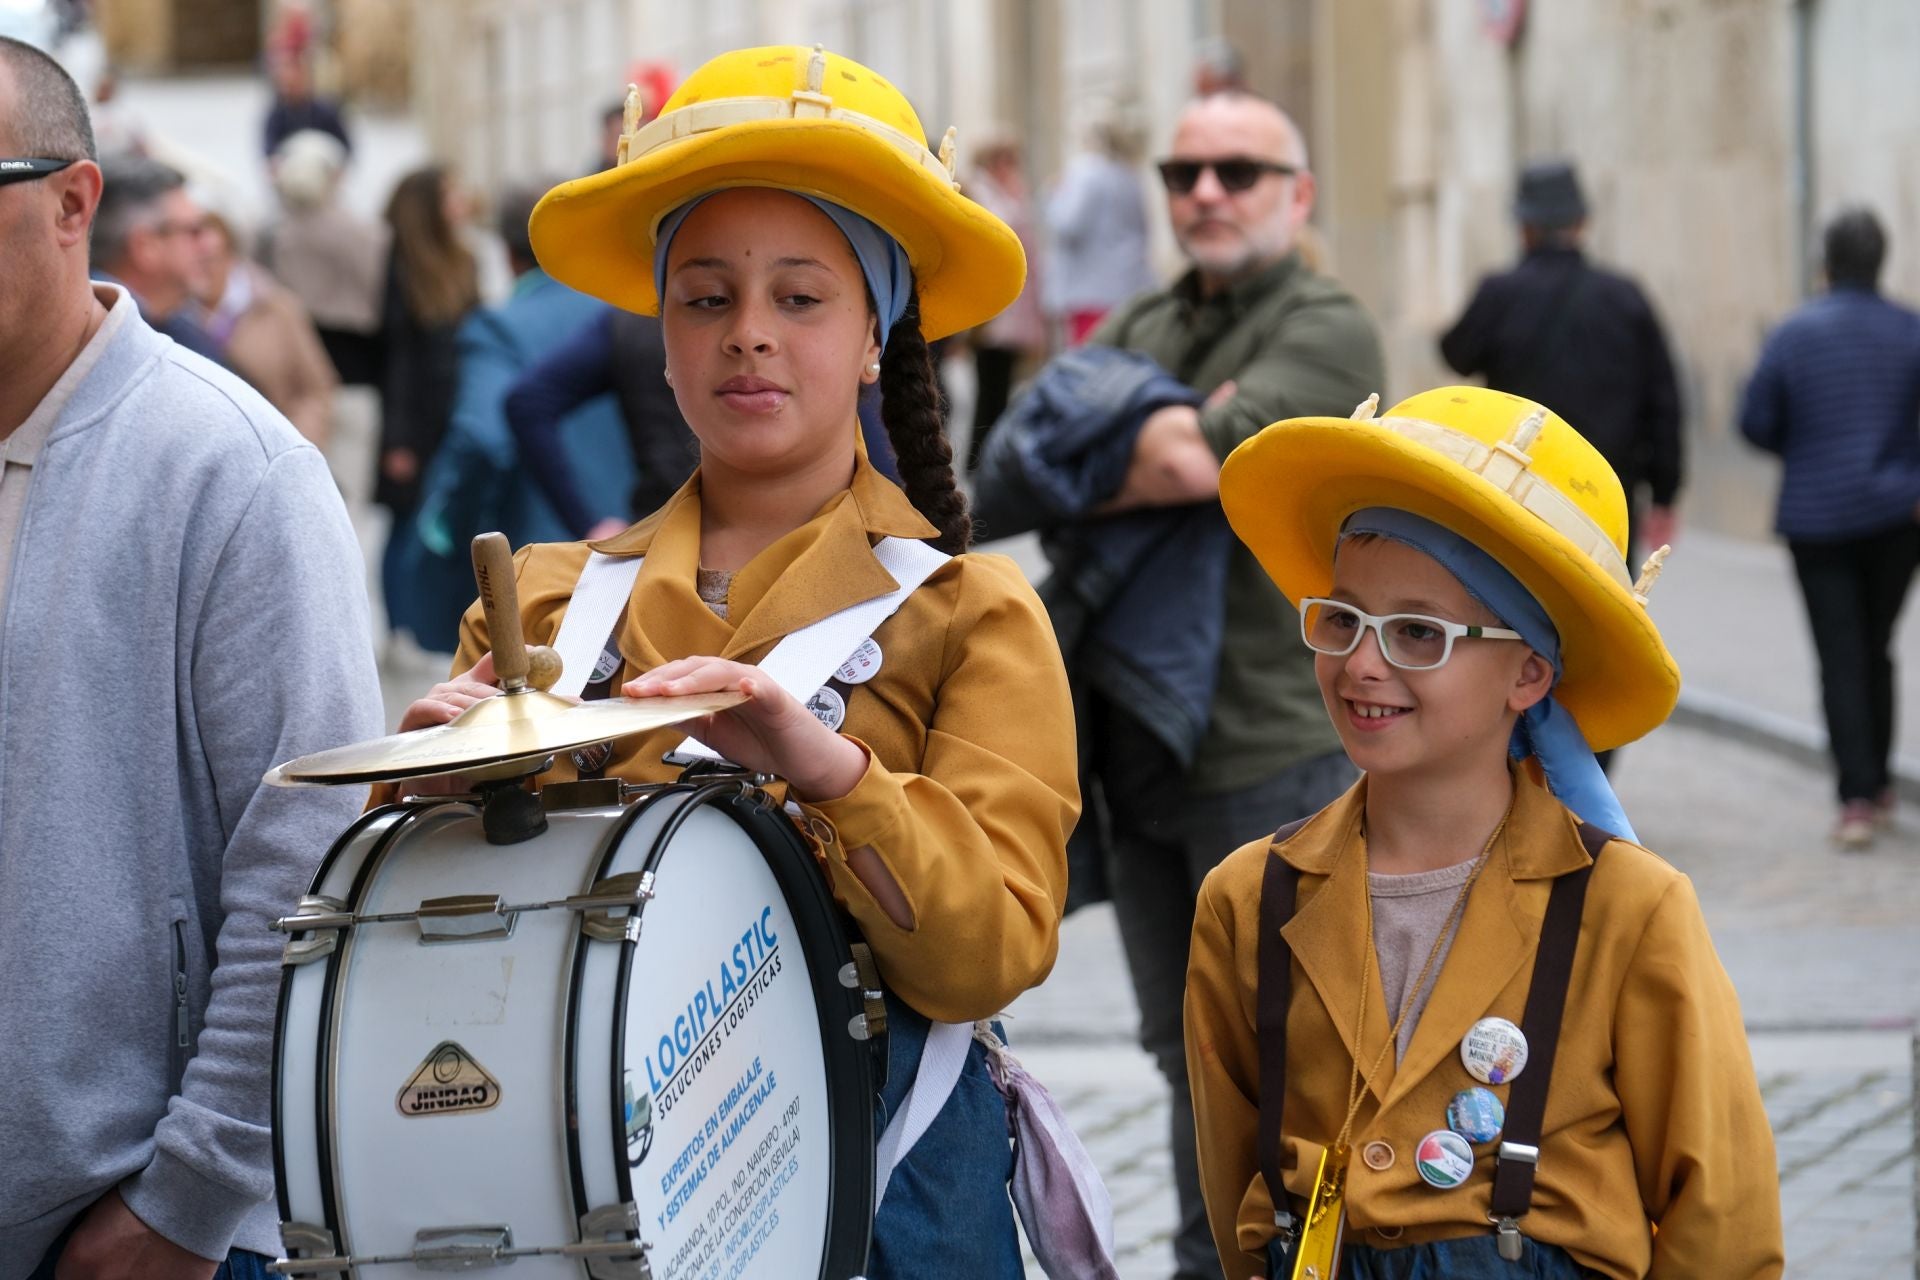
{"x": 447, "y": 1083}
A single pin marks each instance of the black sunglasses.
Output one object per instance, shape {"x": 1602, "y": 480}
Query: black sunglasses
{"x": 28, "y": 170}
{"x": 1235, "y": 174}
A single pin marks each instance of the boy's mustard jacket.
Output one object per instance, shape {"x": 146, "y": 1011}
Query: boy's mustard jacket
{"x": 1653, "y": 1117}
{"x": 972, "y": 790}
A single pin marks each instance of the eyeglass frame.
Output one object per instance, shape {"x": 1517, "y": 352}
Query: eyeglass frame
{"x": 1261, "y": 168}
{"x": 1376, "y": 622}
{"x": 31, "y": 168}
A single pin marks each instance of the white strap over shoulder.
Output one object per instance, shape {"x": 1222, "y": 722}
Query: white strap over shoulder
{"x": 803, "y": 661}
{"x": 599, "y": 597}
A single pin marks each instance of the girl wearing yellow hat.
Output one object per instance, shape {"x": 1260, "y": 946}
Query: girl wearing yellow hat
{"x": 785, "y": 218}
{"x": 1459, "y": 1023}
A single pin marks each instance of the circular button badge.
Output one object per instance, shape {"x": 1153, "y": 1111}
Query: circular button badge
{"x": 1476, "y": 1115}
{"x": 1444, "y": 1159}
{"x": 1494, "y": 1051}
{"x": 863, "y": 666}
{"x": 828, "y": 707}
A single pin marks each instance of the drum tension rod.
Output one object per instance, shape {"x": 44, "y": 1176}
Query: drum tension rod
{"x": 476, "y": 917}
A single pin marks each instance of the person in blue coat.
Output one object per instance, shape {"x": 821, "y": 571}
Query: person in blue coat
{"x": 475, "y": 482}
{"x": 1837, "y": 396}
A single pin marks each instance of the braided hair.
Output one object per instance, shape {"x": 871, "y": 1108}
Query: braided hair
{"x": 910, "y": 409}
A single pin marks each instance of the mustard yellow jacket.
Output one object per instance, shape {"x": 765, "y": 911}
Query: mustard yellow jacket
{"x": 972, "y": 789}
{"x": 1653, "y": 1118}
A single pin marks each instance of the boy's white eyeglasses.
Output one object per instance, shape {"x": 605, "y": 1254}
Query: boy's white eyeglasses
{"x": 1410, "y": 641}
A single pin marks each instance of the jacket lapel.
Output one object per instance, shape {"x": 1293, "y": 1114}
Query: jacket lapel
{"x": 1328, "y": 933}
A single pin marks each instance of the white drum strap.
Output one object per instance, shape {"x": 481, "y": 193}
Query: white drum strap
{"x": 933, "y": 1083}
{"x": 804, "y": 660}
{"x": 599, "y": 597}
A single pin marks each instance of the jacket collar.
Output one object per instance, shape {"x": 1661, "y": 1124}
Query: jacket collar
{"x": 1498, "y": 931}
{"x": 822, "y": 567}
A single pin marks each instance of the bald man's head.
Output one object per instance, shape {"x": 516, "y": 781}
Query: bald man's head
{"x": 1236, "y": 218}
{"x": 43, "y": 114}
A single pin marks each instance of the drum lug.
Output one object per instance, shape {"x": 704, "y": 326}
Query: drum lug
{"x": 627, "y": 894}
{"x": 596, "y": 1250}
{"x": 462, "y": 1248}
{"x": 865, "y": 975}
{"x": 473, "y": 917}
{"x": 309, "y": 1248}
{"x": 321, "y": 918}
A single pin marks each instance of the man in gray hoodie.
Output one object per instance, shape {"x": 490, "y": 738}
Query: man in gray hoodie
{"x": 181, "y": 606}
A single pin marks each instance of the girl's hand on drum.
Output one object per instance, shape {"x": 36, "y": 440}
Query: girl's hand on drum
{"x": 445, "y": 701}
{"x": 771, "y": 732}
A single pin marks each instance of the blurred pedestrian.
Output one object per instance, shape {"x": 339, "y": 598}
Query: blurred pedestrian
{"x": 1260, "y": 336}
{"x": 1018, "y": 335}
{"x": 332, "y": 259}
{"x": 146, "y": 236}
{"x": 1097, "y": 229}
{"x": 156, "y": 516}
{"x": 475, "y": 481}
{"x": 1562, "y": 331}
{"x": 615, "y": 353}
{"x": 1218, "y": 68}
{"x": 1837, "y": 396}
{"x": 432, "y": 284}
{"x": 264, "y": 333}
{"x": 295, "y": 104}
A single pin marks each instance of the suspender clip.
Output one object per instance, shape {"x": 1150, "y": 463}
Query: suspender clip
{"x": 1519, "y": 1152}
{"x": 1508, "y": 1239}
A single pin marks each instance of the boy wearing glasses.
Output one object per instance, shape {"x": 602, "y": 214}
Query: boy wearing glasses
{"x": 1259, "y": 335}
{"x": 1459, "y": 1023}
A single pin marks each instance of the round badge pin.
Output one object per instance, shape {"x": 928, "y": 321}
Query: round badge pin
{"x": 828, "y": 707}
{"x": 1444, "y": 1159}
{"x": 1494, "y": 1051}
{"x": 863, "y": 666}
{"x": 608, "y": 662}
{"x": 1476, "y": 1115}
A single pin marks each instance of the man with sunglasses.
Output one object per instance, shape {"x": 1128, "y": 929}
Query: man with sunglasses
{"x": 181, "y": 605}
{"x": 1260, "y": 336}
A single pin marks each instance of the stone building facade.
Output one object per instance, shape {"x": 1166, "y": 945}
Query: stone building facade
{"x": 1714, "y": 136}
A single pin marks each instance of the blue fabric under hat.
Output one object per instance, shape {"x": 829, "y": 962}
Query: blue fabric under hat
{"x": 882, "y": 261}
{"x": 1546, "y": 731}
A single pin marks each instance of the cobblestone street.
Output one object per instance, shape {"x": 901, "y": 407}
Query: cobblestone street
{"x": 1824, "y": 949}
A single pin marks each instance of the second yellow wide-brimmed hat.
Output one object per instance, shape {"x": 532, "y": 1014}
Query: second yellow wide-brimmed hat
{"x": 794, "y": 119}
{"x": 1508, "y": 475}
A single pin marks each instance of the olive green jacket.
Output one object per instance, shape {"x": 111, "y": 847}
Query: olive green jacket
{"x": 1294, "y": 343}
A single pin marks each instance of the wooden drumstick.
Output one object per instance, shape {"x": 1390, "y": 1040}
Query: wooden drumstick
{"x": 493, "y": 573}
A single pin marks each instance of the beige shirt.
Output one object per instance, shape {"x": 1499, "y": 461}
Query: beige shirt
{"x": 1408, "y": 914}
{"x": 21, "y": 450}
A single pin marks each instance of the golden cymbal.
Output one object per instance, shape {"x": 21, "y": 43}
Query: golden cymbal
{"x": 520, "y": 725}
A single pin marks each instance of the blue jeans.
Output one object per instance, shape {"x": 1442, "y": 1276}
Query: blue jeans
{"x": 946, "y": 1211}
{"x": 240, "y": 1264}
{"x": 1473, "y": 1258}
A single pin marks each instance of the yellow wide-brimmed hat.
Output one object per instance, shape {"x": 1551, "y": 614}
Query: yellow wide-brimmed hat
{"x": 1506, "y": 474}
{"x": 793, "y": 119}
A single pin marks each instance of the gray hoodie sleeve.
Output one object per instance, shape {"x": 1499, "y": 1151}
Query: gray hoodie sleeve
{"x": 281, "y": 664}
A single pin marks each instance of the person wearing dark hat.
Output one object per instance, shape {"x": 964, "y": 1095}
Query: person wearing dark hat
{"x": 1562, "y": 331}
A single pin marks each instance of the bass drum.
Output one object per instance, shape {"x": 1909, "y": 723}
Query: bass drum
{"x": 625, "y": 1047}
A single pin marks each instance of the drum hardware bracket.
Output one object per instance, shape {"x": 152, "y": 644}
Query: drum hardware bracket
{"x": 510, "y": 814}
{"x": 583, "y": 793}
{"x": 863, "y": 975}
{"x": 616, "y": 1219}
{"x": 473, "y": 917}
{"x": 630, "y": 892}
{"x": 322, "y": 918}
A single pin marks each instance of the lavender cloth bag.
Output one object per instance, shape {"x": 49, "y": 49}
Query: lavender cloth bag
{"x": 1062, "y": 1202}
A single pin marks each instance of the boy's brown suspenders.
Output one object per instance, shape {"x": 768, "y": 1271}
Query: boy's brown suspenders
{"x": 1527, "y": 1101}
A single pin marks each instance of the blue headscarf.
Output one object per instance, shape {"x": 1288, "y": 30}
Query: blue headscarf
{"x": 1545, "y": 730}
{"x": 882, "y": 261}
